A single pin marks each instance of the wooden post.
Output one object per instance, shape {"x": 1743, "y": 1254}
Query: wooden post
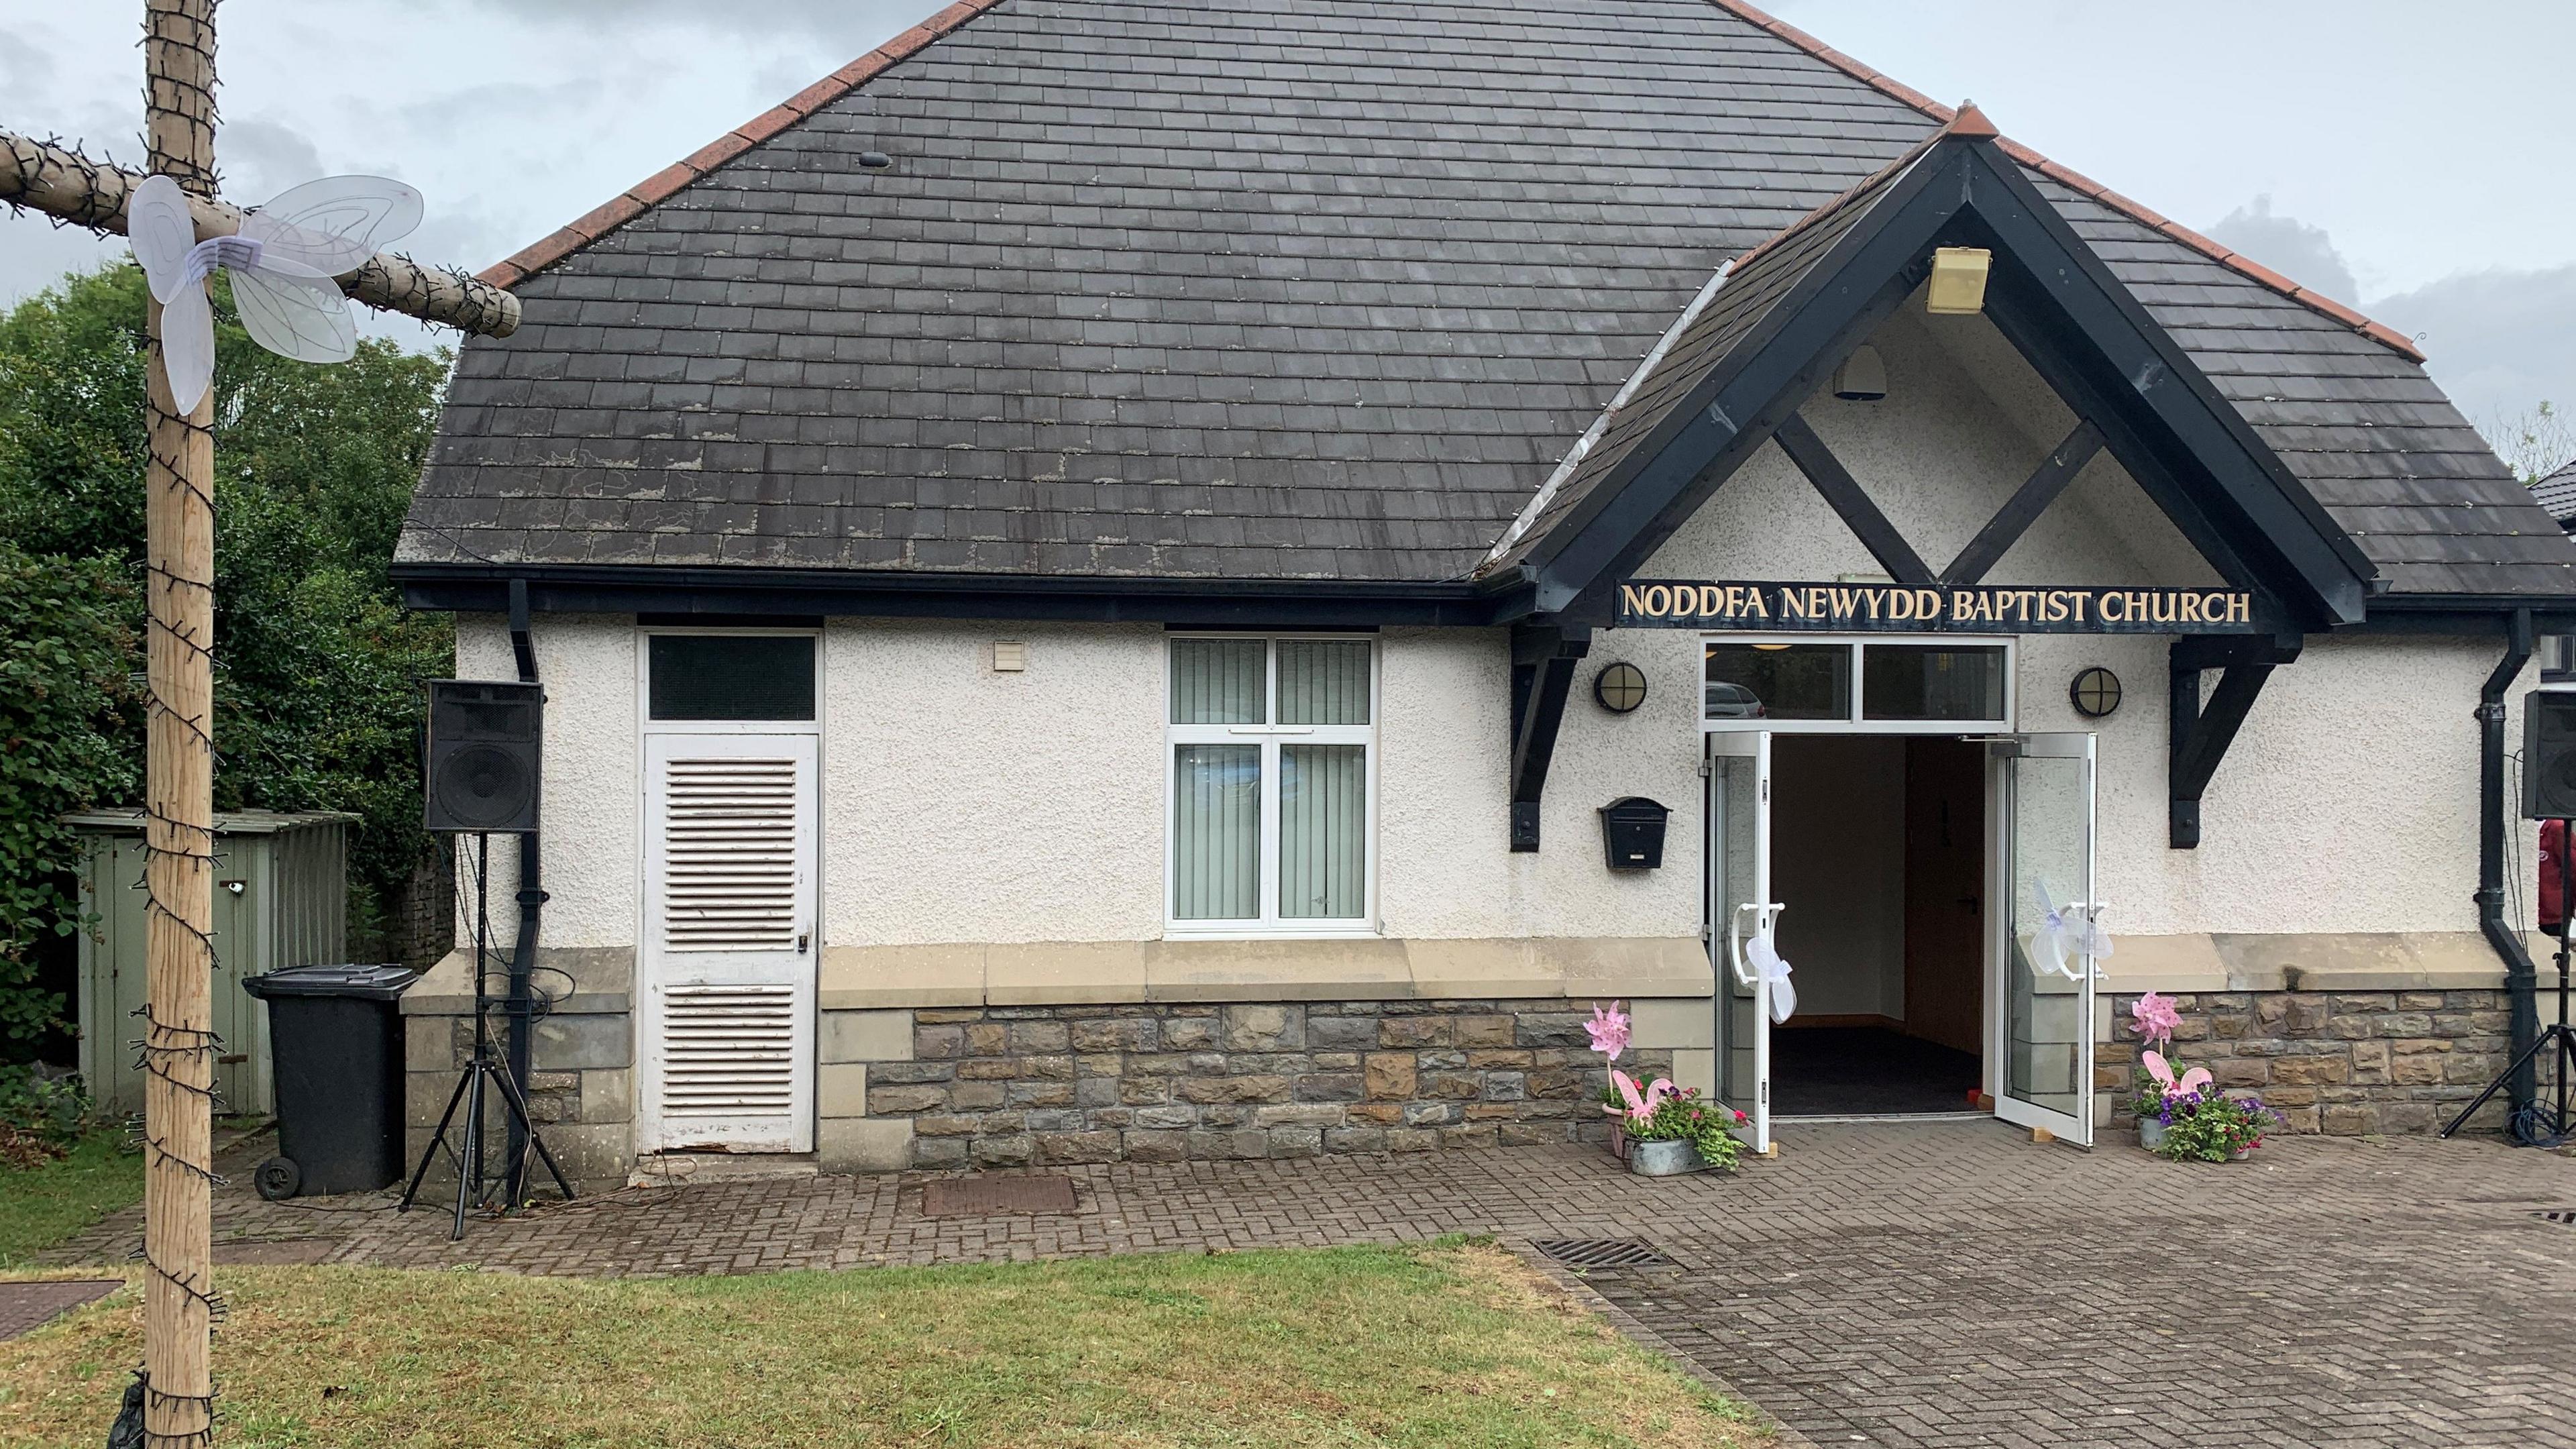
{"x": 179, "y": 1044}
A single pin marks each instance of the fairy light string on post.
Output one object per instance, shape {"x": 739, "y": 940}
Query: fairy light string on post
{"x": 292, "y": 264}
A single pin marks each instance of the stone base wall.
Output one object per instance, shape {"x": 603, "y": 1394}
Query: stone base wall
{"x": 581, "y": 1092}
{"x": 2342, "y": 1063}
{"x": 1014, "y": 1086}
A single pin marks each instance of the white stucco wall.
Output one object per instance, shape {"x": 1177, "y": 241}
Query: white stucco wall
{"x": 591, "y": 795}
{"x": 965, "y": 804}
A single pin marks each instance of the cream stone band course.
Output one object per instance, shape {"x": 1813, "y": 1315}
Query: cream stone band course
{"x": 1093, "y": 973}
{"x": 2311, "y": 961}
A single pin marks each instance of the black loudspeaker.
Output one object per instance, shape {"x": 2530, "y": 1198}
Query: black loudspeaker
{"x": 2549, "y": 755}
{"x": 483, "y": 749}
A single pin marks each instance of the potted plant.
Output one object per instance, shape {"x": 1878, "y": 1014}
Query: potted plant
{"x": 2211, "y": 1126}
{"x": 2155, "y": 1019}
{"x": 2160, "y": 1092}
{"x": 1609, "y": 1033}
{"x": 1671, "y": 1131}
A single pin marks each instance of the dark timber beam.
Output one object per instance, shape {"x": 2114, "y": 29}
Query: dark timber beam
{"x": 1543, "y": 660}
{"x": 2199, "y": 737}
{"x": 1843, "y": 491}
{"x": 2025, "y": 506}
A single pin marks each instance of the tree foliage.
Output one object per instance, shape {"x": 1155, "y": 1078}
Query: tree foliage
{"x": 66, "y": 643}
{"x": 317, "y": 663}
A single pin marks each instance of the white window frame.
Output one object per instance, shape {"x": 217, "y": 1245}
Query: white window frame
{"x": 1269, "y": 736}
{"x": 1854, "y": 724}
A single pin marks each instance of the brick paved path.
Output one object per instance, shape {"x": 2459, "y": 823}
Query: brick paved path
{"x": 1903, "y": 1286}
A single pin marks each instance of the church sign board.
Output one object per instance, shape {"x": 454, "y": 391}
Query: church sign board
{"x": 1931, "y": 608}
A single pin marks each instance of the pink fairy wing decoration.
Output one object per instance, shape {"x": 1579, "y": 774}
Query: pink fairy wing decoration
{"x": 1642, "y": 1105}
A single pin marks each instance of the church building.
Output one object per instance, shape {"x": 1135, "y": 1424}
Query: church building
{"x": 1140, "y": 580}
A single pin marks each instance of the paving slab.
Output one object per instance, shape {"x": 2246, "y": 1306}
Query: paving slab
{"x": 25, "y": 1307}
{"x": 1911, "y": 1286}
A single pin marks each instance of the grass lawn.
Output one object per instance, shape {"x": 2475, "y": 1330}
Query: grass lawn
{"x": 1448, "y": 1347}
{"x": 43, "y": 1206}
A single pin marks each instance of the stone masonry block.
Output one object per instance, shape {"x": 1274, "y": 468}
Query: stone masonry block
{"x": 583, "y": 1043}
{"x": 841, "y": 1089}
{"x": 865, "y": 1036}
{"x": 896, "y": 1101}
{"x": 1390, "y": 1076}
{"x": 1685, "y": 1021}
{"x": 863, "y": 1144}
{"x": 1416, "y": 1031}
{"x": 1341, "y": 1033}
{"x": 1262, "y": 1027}
{"x": 608, "y": 1096}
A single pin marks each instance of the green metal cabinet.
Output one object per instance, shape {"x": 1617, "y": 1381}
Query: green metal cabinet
{"x": 281, "y": 899}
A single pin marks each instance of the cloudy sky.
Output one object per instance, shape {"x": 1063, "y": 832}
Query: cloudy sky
{"x": 2415, "y": 169}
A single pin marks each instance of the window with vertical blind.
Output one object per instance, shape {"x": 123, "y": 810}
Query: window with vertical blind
{"x": 1272, "y": 745}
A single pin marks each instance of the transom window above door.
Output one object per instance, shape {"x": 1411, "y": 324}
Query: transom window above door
{"x": 1856, "y": 685}
{"x": 745, "y": 677}
{"x": 1272, "y": 758}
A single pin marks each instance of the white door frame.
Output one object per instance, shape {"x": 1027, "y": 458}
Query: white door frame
{"x": 726, "y": 971}
{"x": 2003, "y": 903}
{"x": 1731, "y": 925}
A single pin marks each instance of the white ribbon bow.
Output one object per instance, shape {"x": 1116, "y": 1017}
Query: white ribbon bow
{"x": 2067, "y": 939}
{"x": 1766, "y": 960}
{"x": 282, "y": 263}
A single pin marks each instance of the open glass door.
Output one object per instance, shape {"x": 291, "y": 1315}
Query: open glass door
{"x": 1740, "y": 909}
{"x": 2045, "y": 1029}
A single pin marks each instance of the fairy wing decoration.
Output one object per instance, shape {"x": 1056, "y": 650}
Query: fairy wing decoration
{"x": 282, "y": 264}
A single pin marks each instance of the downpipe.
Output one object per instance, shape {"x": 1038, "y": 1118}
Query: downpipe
{"x": 519, "y": 1004}
{"x": 2522, "y": 979}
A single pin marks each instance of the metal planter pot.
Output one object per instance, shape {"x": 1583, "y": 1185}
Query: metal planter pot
{"x": 2151, "y": 1133}
{"x": 1664, "y": 1159}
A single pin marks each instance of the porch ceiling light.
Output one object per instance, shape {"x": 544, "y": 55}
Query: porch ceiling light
{"x": 1862, "y": 377}
{"x": 1959, "y": 281}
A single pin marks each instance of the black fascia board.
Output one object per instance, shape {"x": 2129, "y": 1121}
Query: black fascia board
{"x": 2034, "y": 238}
{"x": 2474, "y": 615}
{"x": 1763, "y": 379}
{"x": 2058, "y": 305}
{"x": 682, "y": 590}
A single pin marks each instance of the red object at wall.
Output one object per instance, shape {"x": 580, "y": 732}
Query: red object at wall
{"x": 2553, "y": 839}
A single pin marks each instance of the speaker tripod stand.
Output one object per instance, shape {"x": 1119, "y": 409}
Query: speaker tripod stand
{"x": 486, "y": 1072}
{"x": 2557, "y": 1039}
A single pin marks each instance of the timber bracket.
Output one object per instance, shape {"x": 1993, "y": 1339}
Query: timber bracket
{"x": 1543, "y": 660}
{"x": 2199, "y": 736}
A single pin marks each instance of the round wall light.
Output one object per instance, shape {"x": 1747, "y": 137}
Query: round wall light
{"x": 1619, "y": 687}
{"x": 2095, "y": 692}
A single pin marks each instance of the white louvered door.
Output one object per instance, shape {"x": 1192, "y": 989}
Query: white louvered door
{"x": 728, "y": 1008}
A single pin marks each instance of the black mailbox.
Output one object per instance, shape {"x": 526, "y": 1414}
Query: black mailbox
{"x": 1632, "y": 832}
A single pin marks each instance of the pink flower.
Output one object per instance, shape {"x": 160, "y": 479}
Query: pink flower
{"x": 1608, "y": 1030}
{"x": 2155, "y": 1018}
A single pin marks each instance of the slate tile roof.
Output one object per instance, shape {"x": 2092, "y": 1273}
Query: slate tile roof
{"x": 1263, "y": 289}
{"x": 2556, "y": 495}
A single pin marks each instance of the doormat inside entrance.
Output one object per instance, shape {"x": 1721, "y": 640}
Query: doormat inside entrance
{"x": 28, "y": 1306}
{"x": 983, "y": 1197}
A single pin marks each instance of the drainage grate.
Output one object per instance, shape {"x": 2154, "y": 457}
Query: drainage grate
{"x": 981, "y": 1197}
{"x": 2564, "y": 1217}
{"x": 1601, "y": 1253}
